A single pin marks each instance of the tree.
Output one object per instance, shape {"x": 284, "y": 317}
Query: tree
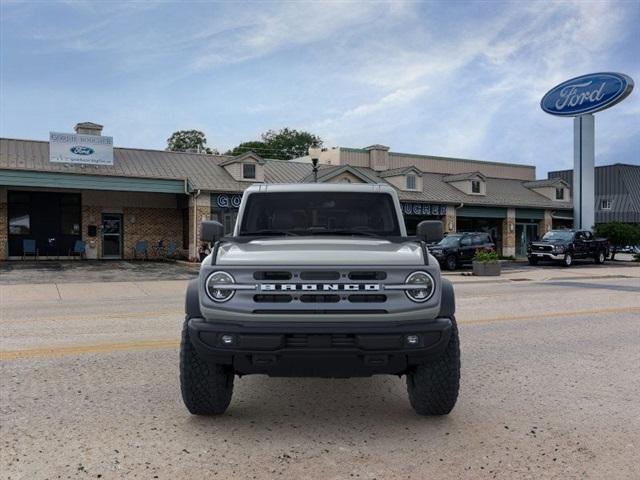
{"x": 188, "y": 141}
{"x": 284, "y": 144}
{"x": 619, "y": 234}
{"x": 256, "y": 146}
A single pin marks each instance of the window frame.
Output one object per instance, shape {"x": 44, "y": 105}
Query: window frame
{"x": 479, "y": 184}
{"x": 414, "y": 179}
{"x": 560, "y": 193}
{"x": 608, "y": 204}
{"x": 255, "y": 171}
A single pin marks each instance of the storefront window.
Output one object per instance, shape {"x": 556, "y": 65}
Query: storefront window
{"x": 19, "y": 220}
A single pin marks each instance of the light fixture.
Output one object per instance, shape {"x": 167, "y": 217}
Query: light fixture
{"x": 215, "y": 284}
{"x": 425, "y": 286}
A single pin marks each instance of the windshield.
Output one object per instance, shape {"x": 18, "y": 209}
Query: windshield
{"x": 558, "y": 235}
{"x": 449, "y": 241}
{"x": 320, "y": 213}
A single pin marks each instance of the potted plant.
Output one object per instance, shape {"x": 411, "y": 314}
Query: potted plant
{"x": 486, "y": 264}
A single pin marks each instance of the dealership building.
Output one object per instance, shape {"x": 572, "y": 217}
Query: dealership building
{"x": 128, "y": 195}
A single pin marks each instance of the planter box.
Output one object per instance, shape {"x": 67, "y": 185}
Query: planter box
{"x": 486, "y": 269}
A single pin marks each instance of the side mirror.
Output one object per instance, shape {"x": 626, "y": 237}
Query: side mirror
{"x": 430, "y": 231}
{"x": 211, "y": 231}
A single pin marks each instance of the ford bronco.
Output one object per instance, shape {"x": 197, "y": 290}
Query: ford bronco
{"x": 320, "y": 280}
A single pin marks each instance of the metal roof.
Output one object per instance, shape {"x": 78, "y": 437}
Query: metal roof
{"x": 463, "y": 176}
{"x": 205, "y": 172}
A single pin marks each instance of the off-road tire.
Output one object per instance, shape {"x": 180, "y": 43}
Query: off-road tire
{"x": 567, "y": 261}
{"x": 206, "y": 387}
{"x": 533, "y": 260}
{"x": 433, "y": 387}
{"x": 451, "y": 263}
{"x": 600, "y": 257}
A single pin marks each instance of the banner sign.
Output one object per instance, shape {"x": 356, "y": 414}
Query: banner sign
{"x": 423, "y": 209}
{"x": 80, "y": 149}
{"x": 587, "y": 94}
{"x": 224, "y": 200}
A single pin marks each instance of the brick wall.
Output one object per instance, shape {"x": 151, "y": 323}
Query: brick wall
{"x": 509, "y": 233}
{"x": 152, "y": 225}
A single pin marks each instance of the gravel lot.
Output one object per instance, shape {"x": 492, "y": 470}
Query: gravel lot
{"x": 549, "y": 390}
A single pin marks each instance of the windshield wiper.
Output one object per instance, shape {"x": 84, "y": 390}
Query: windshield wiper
{"x": 267, "y": 231}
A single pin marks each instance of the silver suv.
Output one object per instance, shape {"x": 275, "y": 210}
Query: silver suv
{"x": 320, "y": 280}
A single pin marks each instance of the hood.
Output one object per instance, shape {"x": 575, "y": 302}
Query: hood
{"x": 320, "y": 251}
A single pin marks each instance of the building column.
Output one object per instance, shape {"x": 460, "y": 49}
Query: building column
{"x": 199, "y": 210}
{"x": 4, "y": 225}
{"x": 509, "y": 234}
{"x": 450, "y": 219}
{"x": 545, "y": 224}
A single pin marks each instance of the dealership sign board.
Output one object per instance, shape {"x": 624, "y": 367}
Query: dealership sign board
{"x": 579, "y": 98}
{"x": 587, "y": 94}
{"x": 80, "y": 149}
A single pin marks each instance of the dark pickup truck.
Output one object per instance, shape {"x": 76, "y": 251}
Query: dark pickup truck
{"x": 565, "y": 246}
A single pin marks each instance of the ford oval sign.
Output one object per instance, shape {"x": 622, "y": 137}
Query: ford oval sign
{"x": 587, "y": 94}
{"x": 79, "y": 150}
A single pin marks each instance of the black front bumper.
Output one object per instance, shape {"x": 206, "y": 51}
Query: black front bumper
{"x": 287, "y": 349}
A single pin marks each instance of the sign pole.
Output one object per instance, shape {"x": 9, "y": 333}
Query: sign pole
{"x": 583, "y": 171}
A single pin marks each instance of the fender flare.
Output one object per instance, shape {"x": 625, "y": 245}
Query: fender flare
{"x": 448, "y": 300}
{"x": 192, "y": 300}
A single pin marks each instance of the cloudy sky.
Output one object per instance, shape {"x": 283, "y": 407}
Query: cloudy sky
{"x": 442, "y": 78}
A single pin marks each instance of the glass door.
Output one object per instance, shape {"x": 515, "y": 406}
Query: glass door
{"x": 525, "y": 233}
{"x": 111, "y": 235}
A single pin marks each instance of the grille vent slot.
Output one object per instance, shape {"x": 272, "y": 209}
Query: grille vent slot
{"x": 320, "y": 275}
{"x": 272, "y": 275}
{"x": 272, "y": 298}
{"x": 367, "y": 275}
{"x": 360, "y": 298}
{"x": 319, "y": 298}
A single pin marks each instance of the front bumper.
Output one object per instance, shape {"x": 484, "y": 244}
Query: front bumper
{"x": 546, "y": 255}
{"x": 287, "y": 349}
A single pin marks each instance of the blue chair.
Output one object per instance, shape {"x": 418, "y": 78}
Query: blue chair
{"x": 29, "y": 248}
{"x": 172, "y": 248}
{"x": 79, "y": 248}
{"x": 142, "y": 249}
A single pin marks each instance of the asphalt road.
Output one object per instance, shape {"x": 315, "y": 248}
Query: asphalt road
{"x": 550, "y": 386}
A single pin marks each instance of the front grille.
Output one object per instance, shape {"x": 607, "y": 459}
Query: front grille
{"x": 320, "y": 341}
{"x": 543, "y": 248}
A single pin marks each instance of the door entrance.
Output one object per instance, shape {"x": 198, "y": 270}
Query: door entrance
{"x": 525, "y": 233}
{"x": 111, "y": 235}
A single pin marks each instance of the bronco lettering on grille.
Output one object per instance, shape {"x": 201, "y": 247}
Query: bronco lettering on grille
{"x": 323, "y": 287}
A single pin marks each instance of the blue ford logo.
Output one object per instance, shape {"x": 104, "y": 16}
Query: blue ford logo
{"x": 79, "y": 150}
{"x": 587, "y": 94}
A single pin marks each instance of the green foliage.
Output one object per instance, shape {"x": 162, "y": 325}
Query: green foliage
{"x": 257, "y": 147}
{"x": 188, "y": 141}
{"x": 484, "y": 256}
{"x": 619, "y": 234}
{"x": 284, "y": 144}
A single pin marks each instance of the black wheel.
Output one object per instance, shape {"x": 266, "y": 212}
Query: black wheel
{"x": 600, "y": 257}
{"x": 567, "y": 261}
{"x": 206, "y": 387}
{"x": 451, "y": 263}
{"x": 433, "y": 387}
{"x": 533, "y": 260}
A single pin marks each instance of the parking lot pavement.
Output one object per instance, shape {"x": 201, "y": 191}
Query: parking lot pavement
{"x": 549, "y": 390}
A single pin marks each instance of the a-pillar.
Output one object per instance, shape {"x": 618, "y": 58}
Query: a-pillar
{"x": 509, "y": 234}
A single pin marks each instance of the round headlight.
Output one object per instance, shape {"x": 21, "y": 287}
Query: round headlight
{"x": 425, "y": 286}
{"x": 213, "y": 286}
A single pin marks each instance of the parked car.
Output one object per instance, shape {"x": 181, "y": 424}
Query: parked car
{"x": 565, "y": 246}
{"x": 458, "y": 249}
